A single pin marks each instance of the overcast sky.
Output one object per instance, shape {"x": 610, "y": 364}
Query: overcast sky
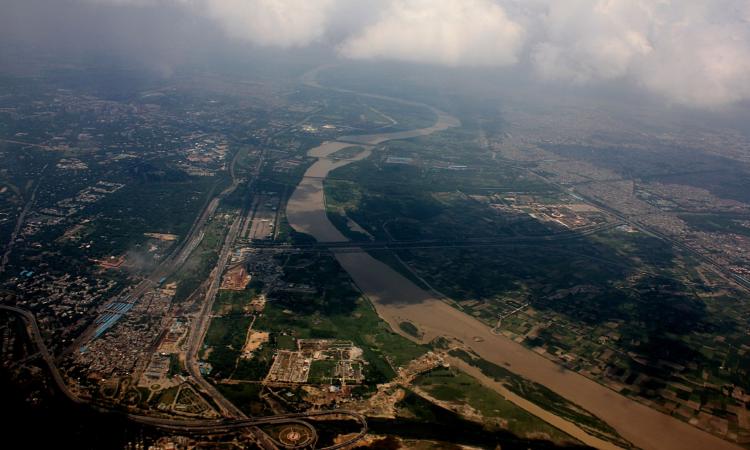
{"x": 690, "y": 52}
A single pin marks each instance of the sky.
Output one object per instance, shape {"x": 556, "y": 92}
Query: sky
{"x": 694, "y": 53}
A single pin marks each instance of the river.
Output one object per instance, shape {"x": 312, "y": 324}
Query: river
{"x": 397, "y": 299}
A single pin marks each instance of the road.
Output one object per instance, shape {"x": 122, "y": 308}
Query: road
{"x": 201, "y": 322}
{"x": 21, "y": 217}
{"x": 212, "y": 427}
{"x": 435, "y": 243}
{"x": 35, "y": 335}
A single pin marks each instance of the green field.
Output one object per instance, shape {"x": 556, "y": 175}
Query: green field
{"x": 410, "y": 329}
{"x": 235, "y": 302}
{"x": 454, "y": 386}
{"x": 543, "y": 397}
{"x": 225, "y": 338}
{"x": 321, "y": 372}
{"x": 337, "y": 312}
{"x": 245, "y": 397}
{"x": 201, "y": 261}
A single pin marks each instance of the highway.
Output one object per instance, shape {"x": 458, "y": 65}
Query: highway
{"x": 228, "y": 426}
{"x": 203, "y": 319}
{"x": 214, "y": 427}
{"x": 35, "y": 335}
{"x": 201, "y": 322}
{"x": 344, "y": 246}
{"x": 19, "y": 222}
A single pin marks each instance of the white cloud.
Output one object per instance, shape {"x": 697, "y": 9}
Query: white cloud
{"x": 448, "y": 32}
{"x": 702, "y": 58}
{"x": 694, "y": 52}
{"x": 275, "y": 23}
{"x": 281, "y": 23}
{"x": 143, "y": 3}
{"x": 584, "y": 40}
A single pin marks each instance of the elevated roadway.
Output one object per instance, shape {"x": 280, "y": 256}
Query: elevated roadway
{"x": 337, "y": 246}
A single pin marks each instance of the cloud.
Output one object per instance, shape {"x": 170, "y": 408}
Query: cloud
{"x": 583, "y": 40}
{"x": 447, "y": 32}
{"x": 695, "y": 52}
{"x": 280, "y": 23}
{"x": 271, "y": 23}
{"x": 702, "y": 58}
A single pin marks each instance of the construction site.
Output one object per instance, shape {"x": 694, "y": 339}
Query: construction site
{"x": 236, "y": 278}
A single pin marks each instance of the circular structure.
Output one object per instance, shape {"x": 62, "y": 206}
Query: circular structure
{"x": 295, "y": 436}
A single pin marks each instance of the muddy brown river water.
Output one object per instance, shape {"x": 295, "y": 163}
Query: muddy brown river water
{"x": 397, "y": 299}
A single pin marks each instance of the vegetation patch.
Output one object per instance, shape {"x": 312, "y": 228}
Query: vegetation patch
{"x": 453, "y": 386}
{"x": 543, "y": 397}
{"x": 410, "y": 329}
